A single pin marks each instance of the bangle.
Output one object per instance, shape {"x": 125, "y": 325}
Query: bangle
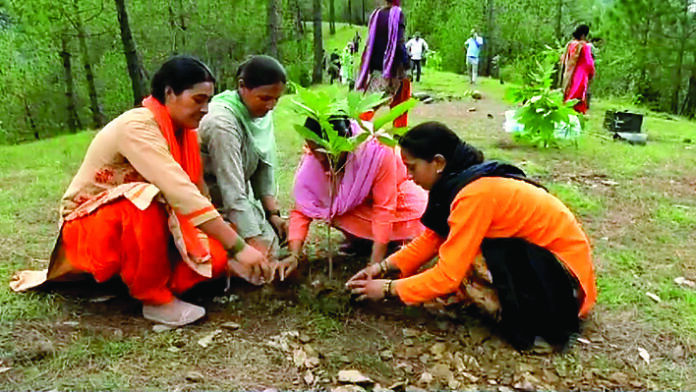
{"x": 387, "y": 289}
{"x": 270, "y": 213}
{"x": 239, "y": 244}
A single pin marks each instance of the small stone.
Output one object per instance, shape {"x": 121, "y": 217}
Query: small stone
{"x": 344, "y": 359}
{"x": 299, "y": 357}
{"x": 479, "y": 334}
{"x": 682, "y": 281}
{"x": 653, "y": 297}
{"x": 476, "y": 95}
{"x": 207, "y": 340}
{"x": 443, "y": 325}
{"x": 503, "y": 388}
{"x": 493, "y": 382}
{"x": 525, "y": 386}
{"x": 386, "y": 355}
{"x": 619, "y": 378}
{"x": 425, "y": 378}
{"x": 428, "y": 100}
{"x": 348, "y": 388}
{"x": 118, "y": 334}
{"x": 161, "y": 328}
{"x": 379, "y": 388}
{"x": 409, "y": 333}
{"x": 438, "y": 349}
{"x": 441, "y": 372}
{"x": 411, "y": 352}
{"x": 406, "y": 367}
{"x": 71, "y": 323}
{"x": 304, "y": 338}
{"x": 308, "y": 377}
{"x": 411, "y": 388}
{"x": 424, "y": 358}
{"x": 194, "y": 376}
{"x": 353, "y": 377}
{"x": 453, "y": 384}
{"x": 677, "y": 353}
{"x": 409, "y": 342}
{"x": 312, "y": 362}
{"x": 231, "y": 326}
{"x": 636, "y": 384}
{"x": 472, "y": 379}
{"x": 173, "y": 349}
{"x": 398, "y": 385}
{"x": 472, "y": 110}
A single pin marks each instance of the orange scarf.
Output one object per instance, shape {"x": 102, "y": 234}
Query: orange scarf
{"x": 185, "y": 151}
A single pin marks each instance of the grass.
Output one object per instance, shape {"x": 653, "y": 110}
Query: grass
{"x": 636, "y": 203}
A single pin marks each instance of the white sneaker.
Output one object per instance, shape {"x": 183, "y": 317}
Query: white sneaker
{"x": 174, "y": 313}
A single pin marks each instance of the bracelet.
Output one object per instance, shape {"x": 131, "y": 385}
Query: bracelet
{"x": 239, "y": 244}
{"x": 387, "y": 289}
{"x": 270, "y": 213}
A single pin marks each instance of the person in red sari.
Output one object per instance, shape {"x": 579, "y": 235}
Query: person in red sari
{"x": 138, "y": 191}
{"x": 577, "y": 69}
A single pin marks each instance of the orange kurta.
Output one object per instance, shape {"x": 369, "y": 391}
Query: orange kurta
{"x": 390, "y": 213}
{"x": 495, "y": 207}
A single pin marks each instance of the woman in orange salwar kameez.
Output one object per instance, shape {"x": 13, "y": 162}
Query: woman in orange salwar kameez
{"x": 503, "y": 243}
{"x": 578, "y": 68}
{"x": 374, "y": 199}
{"x": 138, "y": 190}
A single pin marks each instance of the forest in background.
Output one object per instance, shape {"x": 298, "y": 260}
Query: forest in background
{"x": 75, "y": 64}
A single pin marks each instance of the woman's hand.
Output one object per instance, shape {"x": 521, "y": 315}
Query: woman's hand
{"x": 374, "y": 289}
{"x": 369, "y": 272}
{"x": 251, "y": 265}
{"x": 286, "y": 266}
{"x": 280, "y": 225}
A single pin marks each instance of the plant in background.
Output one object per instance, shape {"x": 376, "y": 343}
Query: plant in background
{"x": 326, "y": 104}
{"x": 434, "y": 60}
{"x": 545, "y": 118}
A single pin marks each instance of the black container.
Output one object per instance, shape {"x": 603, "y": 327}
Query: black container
{"x": 623, "y": 121}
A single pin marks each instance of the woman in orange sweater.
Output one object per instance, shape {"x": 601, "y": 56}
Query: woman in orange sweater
{"x": 503, "y": 243}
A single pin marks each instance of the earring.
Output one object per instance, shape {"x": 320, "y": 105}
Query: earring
{"x": 439, "y": 171}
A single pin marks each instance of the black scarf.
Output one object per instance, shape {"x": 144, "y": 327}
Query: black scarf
{"x": 457, "y": 177}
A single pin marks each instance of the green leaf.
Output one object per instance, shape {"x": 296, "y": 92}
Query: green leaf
{"x": 394, "y": 113}
{"x": 307, "y": 134}
{"x": 387, "y": 140}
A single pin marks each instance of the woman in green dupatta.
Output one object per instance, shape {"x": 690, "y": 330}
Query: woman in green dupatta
{"x": 239, "y": 153}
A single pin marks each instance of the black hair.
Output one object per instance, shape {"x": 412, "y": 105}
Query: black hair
{"x": 340, "y": 124}
{"x": 261, "y": 70}
{"x": 580, "y": 31}
{"x": 432, "y": 138}
{"x": 180, "y": 73}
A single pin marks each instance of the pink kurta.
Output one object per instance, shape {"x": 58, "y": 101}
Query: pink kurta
{"x": 391, "y": 212}
{"x": 579, "y": 69}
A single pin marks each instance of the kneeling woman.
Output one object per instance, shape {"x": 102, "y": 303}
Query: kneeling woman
{"x": 503, "y": 242}
{"x": 137, "y": 191}
{"x": 374, "y": 199}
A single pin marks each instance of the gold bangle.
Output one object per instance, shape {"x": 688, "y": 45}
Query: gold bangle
{"x": 387, "y": 290}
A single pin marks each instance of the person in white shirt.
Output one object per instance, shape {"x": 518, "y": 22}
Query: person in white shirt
{"x": 416, "y": 47}
{"x": 473, "y": 48}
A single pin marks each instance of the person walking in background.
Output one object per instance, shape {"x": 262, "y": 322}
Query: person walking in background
{"x": 416, "y": 48}
{"x": 473, "y": 49}
{"x": 334, "y": 66}
{"x": 577, "y": 69}
{"x": 356, "y": 42}
{"x": 384, "y": 61}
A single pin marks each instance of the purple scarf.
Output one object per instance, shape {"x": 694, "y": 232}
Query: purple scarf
{"x": 312, "y": 183}
{"x": 394, "y": 19}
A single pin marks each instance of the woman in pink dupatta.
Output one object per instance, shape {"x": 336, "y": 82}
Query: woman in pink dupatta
{"x": 577, "y": 69}
{"x": 375, "y": 200}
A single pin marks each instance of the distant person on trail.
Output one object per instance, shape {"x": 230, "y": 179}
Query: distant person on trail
{"x": 417, "y": 48}
{"x": 356, "y": 42}
{"x": 384, "y": 61}
{"x": 577, "y": 69}
{"x": 347, "y": 65}
{"x": 504, "y": 244}
{"x": 238, "y": 148}
{"x": 334, "y": 66}
{"x": 137, "y": 208}
{"x": 375, "y": 203}
{"x": 473, "y": 49}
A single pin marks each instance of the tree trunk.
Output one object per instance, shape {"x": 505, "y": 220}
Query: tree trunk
{"x": 559, "y": 22}
{"x": 489, "y": 42}
{"x": 689, "y": 108}
{"x": 30, "y": 117}
{"x": 678, "y": 78}
{"x": 350, "y": 12}
{"x": 273, "y": 27}
{"x": 131, "y": 53}
{"x": 74, "y": 123}
{"x": 97, "y": 115}
{"x": 332, "y": 18}
{"x": 299, "y": 23}
{"x": 317, "y": 73}
{"x": 363, "y": 13}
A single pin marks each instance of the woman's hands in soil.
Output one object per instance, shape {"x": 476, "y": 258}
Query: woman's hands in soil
{"x": 251, "y": 265}
{"x": 374, "y": 289}
{"x": 369, "y": 272}
{"x": 286, "y": 266}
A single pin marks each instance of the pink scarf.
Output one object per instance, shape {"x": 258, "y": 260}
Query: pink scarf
{"x": 312, "y": 182}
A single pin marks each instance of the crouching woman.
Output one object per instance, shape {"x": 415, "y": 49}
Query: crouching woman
{"x": 503, "y": 243}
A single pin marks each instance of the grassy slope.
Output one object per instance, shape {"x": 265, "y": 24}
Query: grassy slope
{"x": 642, "y": 230}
